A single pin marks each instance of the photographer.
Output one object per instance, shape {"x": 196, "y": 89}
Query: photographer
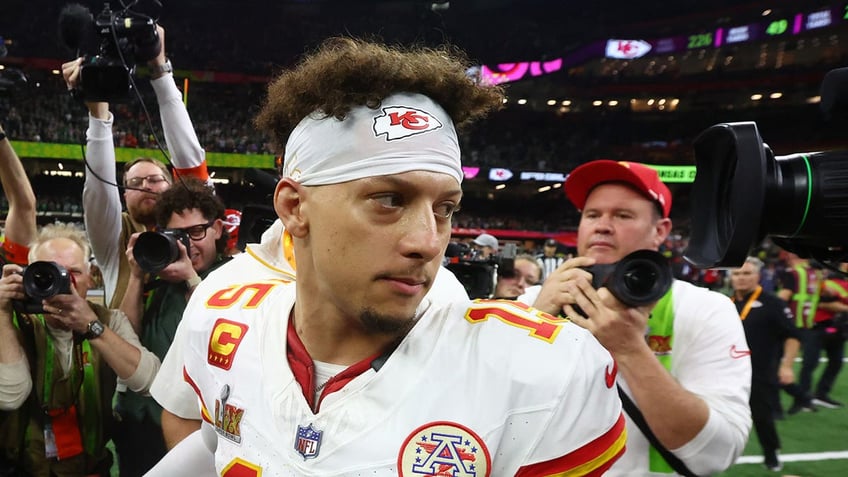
{"x": 771, "y": 333}
{"x": 684, "y": 362}
{"x": 20, "y": 220}
{"x": 144, "y": 179}
{"x": 526, "y": 272}
{"x": 58, "y": 368}
{"x": 189, "y": 207}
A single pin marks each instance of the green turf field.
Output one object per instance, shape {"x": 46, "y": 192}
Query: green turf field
{"x": 803, "y": 436}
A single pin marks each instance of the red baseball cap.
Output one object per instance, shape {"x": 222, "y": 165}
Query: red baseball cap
{"x": 583, "y": 179}
{"x": 232, "y": 222}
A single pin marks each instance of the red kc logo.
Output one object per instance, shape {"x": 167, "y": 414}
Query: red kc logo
{"x": 398, "y": 122}
{"x": 409, "y": 120}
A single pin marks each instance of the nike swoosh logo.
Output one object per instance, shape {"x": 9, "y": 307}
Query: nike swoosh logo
{"x": 609, "y": 374}
{"x": 737, "y": 354}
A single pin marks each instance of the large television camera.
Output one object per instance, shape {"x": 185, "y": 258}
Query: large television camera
{"x": 744, "y": 193}
{"x": 478, "y": 274}
{"x": 111, "y": 45}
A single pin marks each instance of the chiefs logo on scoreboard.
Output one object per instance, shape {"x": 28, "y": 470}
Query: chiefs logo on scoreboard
{"x": 627, "y": 49}
{"x": 224, "y": 342}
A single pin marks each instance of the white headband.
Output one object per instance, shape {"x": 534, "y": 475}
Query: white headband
{"x": 409, "y": 132}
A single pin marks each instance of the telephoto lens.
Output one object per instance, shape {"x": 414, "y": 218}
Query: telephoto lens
{"x": 156, "y": 250}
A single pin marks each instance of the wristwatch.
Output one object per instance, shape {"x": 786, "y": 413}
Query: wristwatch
{"x": 95, "y": 329}
{"x": 162, "y": 69}
{"x": 193, "y": 282}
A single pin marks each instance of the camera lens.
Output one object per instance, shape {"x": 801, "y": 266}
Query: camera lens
{"x": 43, "y": 279}
{"x": 641, "y": 279}
{"x": 154, "y": 251}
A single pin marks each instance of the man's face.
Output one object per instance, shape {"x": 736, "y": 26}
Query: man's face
{"x": 484, "y": 251}
{"x": 202, "y": 235}
{"x": 616, "y": 221}
{"x": 69, "y": 255}
{"x": 550, "y": 250}
{"x": 369, "y": 249}
{"x": 140, "y": 203}
{"x": 525, "y": 274}
{"x": 745, "y": 278}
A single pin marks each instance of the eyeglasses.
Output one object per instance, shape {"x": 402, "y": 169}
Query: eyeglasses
{"x": 152, "y": 179}
{"x": 196, "y": 232}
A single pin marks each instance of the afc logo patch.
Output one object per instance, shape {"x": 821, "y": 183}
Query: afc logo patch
{"x": 224, "y": 342}
{"x": 444, "y": 448}
{"x": 398, "y": 122}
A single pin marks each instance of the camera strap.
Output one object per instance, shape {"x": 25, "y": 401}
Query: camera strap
{"x": 637, "y": 417}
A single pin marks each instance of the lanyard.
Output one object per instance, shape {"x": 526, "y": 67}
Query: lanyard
{"x": 86, "y": 383}
{"x": 751, "y": 299}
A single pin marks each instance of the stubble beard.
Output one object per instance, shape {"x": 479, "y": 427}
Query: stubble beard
{"x": 142, "y": 214}
{"x": 375, "y": 323}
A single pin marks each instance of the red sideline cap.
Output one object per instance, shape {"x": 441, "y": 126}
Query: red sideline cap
{"x": 582, "y": 180}
{"x": 232, "y": 222}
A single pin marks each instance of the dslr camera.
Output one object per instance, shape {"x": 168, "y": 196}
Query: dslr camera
{"x": 745, "y": 193}
{"x": 640, "y": 278}
{"x": 126, "y": 38}
{"x": 477, "y": 274}
{"x": 42, "y": 280}
{"x": 156, "y": 250}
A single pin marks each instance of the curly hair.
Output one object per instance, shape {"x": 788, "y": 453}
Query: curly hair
{"x": 347, "y": 72}
{"x": 190, "y": 193}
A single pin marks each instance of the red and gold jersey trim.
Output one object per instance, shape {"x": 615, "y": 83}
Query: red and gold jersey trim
{"x": 204, "y": 412}
{"x": 592, "y": 459}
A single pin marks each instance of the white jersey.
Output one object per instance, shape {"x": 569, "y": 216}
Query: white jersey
{"x": 485, "y": 388}
{"x": 709, "y": 358}
{"x": 271, "y": 258}
{"x": 259, "y": 261}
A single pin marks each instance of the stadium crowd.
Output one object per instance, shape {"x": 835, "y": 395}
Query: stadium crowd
{"x": 144, "y": 303}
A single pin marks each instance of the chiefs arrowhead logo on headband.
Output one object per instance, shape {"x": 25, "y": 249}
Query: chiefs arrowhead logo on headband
{"x": 398, "y": 122}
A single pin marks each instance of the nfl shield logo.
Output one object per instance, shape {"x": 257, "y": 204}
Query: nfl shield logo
{"x": 308, "y": 442}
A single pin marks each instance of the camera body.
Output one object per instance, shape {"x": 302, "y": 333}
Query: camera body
{"x": 156, "y": 250}
{"x": 126, "y": 39}
{"x": 477, "y": 274}
{"x": 42, "y": 280}
{"x": 640, "y": 278}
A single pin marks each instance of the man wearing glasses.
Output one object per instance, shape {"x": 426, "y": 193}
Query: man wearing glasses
{"x": 109, "y": 228}
{"x": 193, "y": 208}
